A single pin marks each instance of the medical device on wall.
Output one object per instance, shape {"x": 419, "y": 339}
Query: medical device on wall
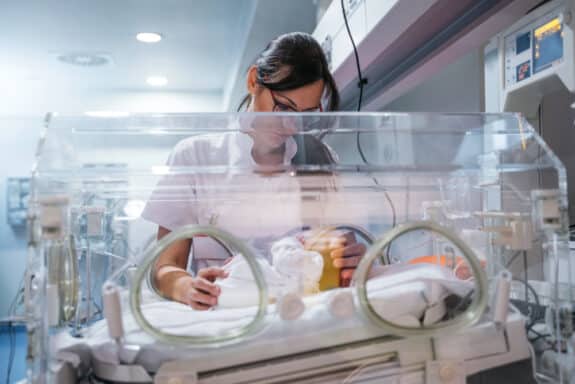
{"x": 538, "y": 57}
{"x": 435, "y": 298}
{"x": 403, "y": 43}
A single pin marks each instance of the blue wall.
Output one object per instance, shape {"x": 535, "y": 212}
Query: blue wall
{"x": 18, "y": 370}
{"x": 18, "y": 138}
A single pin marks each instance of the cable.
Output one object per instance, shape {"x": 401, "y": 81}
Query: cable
{"x": 538, "y": 336}
{"x": 512, "y": 259}
{"x": 359, "y": 149}
{"x": 15, "y": 300}
{"x": 525, "y": 275}
{"x": 362, "y": 81}
{"x": 462, "y": 302}
{"x": 12, "y": 337}
{"x": 530, "y": 288}
{"x": 361, "y": 84}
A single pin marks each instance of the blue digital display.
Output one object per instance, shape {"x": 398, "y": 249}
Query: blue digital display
{"x": 548, "y": 45}
{"x": 523, "y": 43}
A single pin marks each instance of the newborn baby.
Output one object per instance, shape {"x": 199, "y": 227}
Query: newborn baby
{"x": 293, "y": 270}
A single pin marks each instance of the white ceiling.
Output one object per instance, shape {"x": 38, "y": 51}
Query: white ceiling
{"x": 199, "y": 45}
{"x": 205, "y": 47}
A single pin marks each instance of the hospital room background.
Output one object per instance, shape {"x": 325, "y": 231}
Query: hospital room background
{"x": 90, "y": 59}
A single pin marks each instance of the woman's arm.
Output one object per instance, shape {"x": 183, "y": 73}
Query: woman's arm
{"x": 174, "y": 282}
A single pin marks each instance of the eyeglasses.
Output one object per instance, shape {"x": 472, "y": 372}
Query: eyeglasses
{"x": 283, "y": 107}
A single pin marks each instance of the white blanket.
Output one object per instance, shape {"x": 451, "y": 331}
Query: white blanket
{"x": 409, "y": 295}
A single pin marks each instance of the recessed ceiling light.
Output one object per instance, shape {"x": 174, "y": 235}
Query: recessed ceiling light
{"x": 149, "y": 37}
{"x": 84, "y": 59}
{"x": 157, "y": 81}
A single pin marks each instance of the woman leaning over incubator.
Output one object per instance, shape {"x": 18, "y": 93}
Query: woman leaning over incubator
{"x": 290, "y": 75}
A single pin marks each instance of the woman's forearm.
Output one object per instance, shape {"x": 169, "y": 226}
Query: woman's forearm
{"x": 168, "y": 279}
{"x": 170, "y": 269}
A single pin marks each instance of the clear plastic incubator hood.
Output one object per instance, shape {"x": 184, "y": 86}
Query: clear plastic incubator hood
{"x": 353, "y": 247}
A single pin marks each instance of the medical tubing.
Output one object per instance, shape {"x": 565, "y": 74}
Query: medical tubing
{"x": 469, "y": 317}
{"x": 187, "y": 232}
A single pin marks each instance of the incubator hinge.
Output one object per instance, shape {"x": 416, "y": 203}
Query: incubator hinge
{"x": 445, "y": 372}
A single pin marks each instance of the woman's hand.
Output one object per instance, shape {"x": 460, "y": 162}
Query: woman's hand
{"x": 344, "y": 250}
{"x": 346, "y": 255}
{"x": 199, "y": 292}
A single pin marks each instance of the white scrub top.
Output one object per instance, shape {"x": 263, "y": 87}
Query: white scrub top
{"x": 256, "y": 208}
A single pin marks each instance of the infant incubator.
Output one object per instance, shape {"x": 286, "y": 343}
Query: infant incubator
{"x": 466, "y": 274}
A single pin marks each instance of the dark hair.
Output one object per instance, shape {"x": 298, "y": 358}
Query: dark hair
{"x": 292, "y": 61}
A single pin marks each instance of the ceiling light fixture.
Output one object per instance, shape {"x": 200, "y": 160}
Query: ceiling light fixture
{"x": 149, "y": 37}
{"x": 157, "y": 81}
{"x": 84, "y": 59}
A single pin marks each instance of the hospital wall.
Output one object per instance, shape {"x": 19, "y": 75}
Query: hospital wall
{"x": 21, "y": 120}
{"x": 456, "y": 88}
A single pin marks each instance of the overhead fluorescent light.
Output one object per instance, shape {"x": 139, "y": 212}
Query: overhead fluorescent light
{"x": 149, "y": 37}
{"x": 157, "y": 81}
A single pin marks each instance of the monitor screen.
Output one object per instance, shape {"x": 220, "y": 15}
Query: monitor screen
{"x": 522, "y": 43}
{"x": 548, "y": 45}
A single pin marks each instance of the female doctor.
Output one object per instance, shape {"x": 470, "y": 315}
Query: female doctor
{"x": 290, "y": 75}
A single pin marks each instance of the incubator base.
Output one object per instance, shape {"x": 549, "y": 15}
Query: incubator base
{"x": 452, "y": 358}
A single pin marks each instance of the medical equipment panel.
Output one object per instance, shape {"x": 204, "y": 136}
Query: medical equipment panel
{"x": 534, "y": 48}
{"x": 536, "y": 56}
